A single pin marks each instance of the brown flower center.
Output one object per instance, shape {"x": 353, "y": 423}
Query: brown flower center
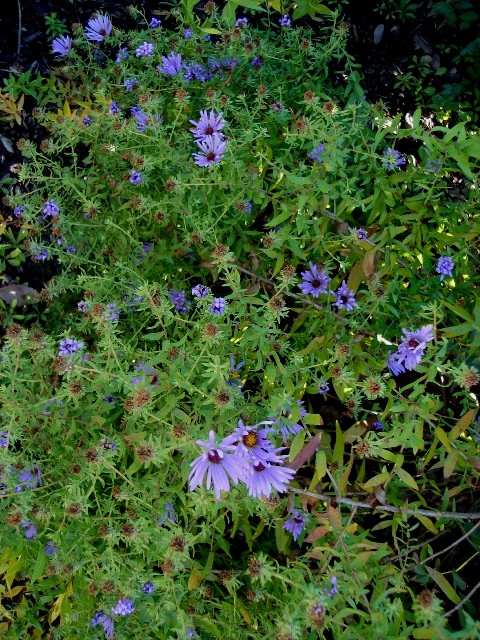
{"x": 250, "y": 439}
{"x": 214, "y": 456}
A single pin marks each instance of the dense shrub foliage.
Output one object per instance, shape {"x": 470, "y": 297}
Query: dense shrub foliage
{"x": 247, "y": 406}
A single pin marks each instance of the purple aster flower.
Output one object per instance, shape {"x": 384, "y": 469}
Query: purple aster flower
{"x": 191, "y": 633}
{"x": 30, "y": 531}
{"x": 295, "y": 524}
{"x": 378, "y": 425}
{"x": 200, "y": 291}
{"x": 4, "y": 439}
{"x": 171, "y": 64}
{"x": 284, "y": 422}
{"x": 433, "y": 165}
{"x": 98, "y": 28}
{"x": 69, "y": 346}
{"x": 51, "y": 209}
{"x": 445, "y": 267}
{"x": 361, "y": 234}
{"x": 71, "y": 249}
{"x": 145, "y": 50}
{"x": 316, "y": 153}
{"x": 411, "y": 350}
{"x": 207, "y": 125}
{"x": 263, "y": 476}
{"x": 187, "y": 33}
{"x": 285, "y": 21}
{"x": 145, "y": 370}
{"x": 257, "y": 62}
{"x": 30, "y": 478}
{"x": 106, "y": 445}
{"x": 124, "y": 607}
{"x": 122, "y": 55}
{"x": 169, "y": 515}
{"x": 50, "y": 549}
{"x": 107, "y": 623}
{"x": 141, "y": 118}
{"x": 136, "y": 177}
{"x": 247, "y": 207}
{"x": 87, "y": 121}
{"x": 40, "y": 255}
{"x": 218, "y": 306}
{"x": 392, "y": 159}
{"x": 234, "y": 378}
{"x": 109, "y": 399}
{"x": 212, "y": 150}
{"x": 61, "y": 46}
{"x": 333, "y": 589}
{"x": 148, "y": 588}
{"x": 323, "y": 387}
{"x": 196, "y": 71}
{"x": 18, "y": 211}
{"x": 241, "y": 22}
{"x": 252, "y": 443}
{"x": 154, "y": 23}
{"x": 395, "y": 363}
{"x": 113, "y": 108}
{"x": 218, "y": 465}
{"x": 178, "y": 299}
{"x": 112, "y": 314}
{"x": 130, "y": 84}
{"x": 314, "y": 282}
{"x": 82, "y": 306}
{"x": 345, "y": 298}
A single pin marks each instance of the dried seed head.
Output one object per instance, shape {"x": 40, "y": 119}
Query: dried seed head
{"x": 168, "y": 567}
{"x": 255, "y": 567}
{"x": 62, "y": 364}
{"x": 108, "y": 587}
{"x": 373, "y": 388}
{"x": 140, "y": 398}
{"x": 92, "y": 589}
{"x": 129, "y": 404}
{"x": 14, "y": 333}
{"x": 209, "y": 93}
{"x": 336, "y": 372}
{"x": 74, "y": 510}
{"x": 363, "y": 448}
{"x": 128, "y": 156}
{"x": 180, "y": 94}
{"x": 144, "y": 98}
{"x": 248, "y": 46}
{"x": 75, "y": 468}
{"x": 117, "y": 125}
{"x": 75, "y": 388}
{"x": 250, "y": 595}
{"x": 177, "y": 543}
{"x": 178, "y": 431}
{"x": 210, "y": 330}
{"x": 21, "y": 144}
{"x": 277, "y": 304}
{"x": 135, "y": 202}
{"x": 268, "y": 241}
{"x": 91, "y": 455}
{"x": 342, "y": 351}
{"x": 316, "y": 615}
{"x": 223, "y": 398}
{"x": 220, "y": 251}
{"x": 288, "y": 272}
{"x": 329, "y": 107}
{"x": 301, "y": 124}
{"x": 305, "y": 43}
{"x": 97, "y": 310}
{"x": 469, "y": 378}
{"x": 271, "y": 503}
{"x": 225, "y": 576}
{"x": 333, "y": 466}
{"x": 128, "y": 530}
{"x": 145, "y": 453}
{"x": 116, "y": 491}
{"x": 196, "y": 238}
{"x": 170, "y": 185}
{"x": 209, "y": 6}
{"x": 426, "y": 599}
{"x": 261, "y": 90}
{"x": 173, "y": 353}
{"x": 14, "y": 519}
{"x": 223, "y": 99}
{"x": 103, "y": 530}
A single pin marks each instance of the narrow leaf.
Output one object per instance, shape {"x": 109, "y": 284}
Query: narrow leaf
{"x": 444, "y": 585}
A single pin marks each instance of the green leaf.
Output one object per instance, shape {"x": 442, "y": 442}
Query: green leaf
{"x": 249, "y": 4}
{"x": 444, "y": 585}
{"x": 320, "y": 464}
{"x": 339, "y": 445}
{"x": 297, "y": 444}
{"x": 406, "y": 478}
{"x": 376, "y": 481}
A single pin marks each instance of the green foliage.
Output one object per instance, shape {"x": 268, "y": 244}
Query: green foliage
{"x": 97, "y": 446}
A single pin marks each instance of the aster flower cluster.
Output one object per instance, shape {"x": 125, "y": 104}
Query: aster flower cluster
{"x": 69, "y": 347}
{"x": 445, "y": 267}
{"x": 283, "y": 422}
{"x": 411, "y": 350}
{"x": 296, "y": 523}
{"x": 209, "y": 137}
{"x": 246, "y": 456}
{"x": 316, "y": 282}
{"x": 393, "y": 159}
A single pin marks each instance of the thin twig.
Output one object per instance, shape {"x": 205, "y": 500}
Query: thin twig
{"x": 450, "y": 546}
{"x": 388, "y": 508}
{"x": 460, "y": 604}
{"x": 19, "y": 33}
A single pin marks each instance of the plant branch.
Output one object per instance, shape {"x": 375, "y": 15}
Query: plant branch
{"x": 462, "y": 602}
{"x": 450, "y": 546}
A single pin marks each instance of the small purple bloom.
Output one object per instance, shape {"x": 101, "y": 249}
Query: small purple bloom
{"x": 207, "y": 125}
{"x": 285, "y": 21}
{"x": 145, "y": 371}
{"x": 141, "y": 118}
{"x": 98, "y": 28}
{"x": 61, "y": 46}
{"x": 87, "y": 121}
{"x": 378, "y": 425}
{"x": 40, "y": 255}
{"x": 295, "y": 524}
{"x": 345, "y": 298}
{"x": 187, "y": 33}
{"x": 113, "y": 108}
{"x": 178, "y": 299}
{"x": 106, "y": 445}
{"x": 168, "y": 515}
{"x": 124, "y": 607}
{"x": 285, "y": 426}
{"x": 71, "y": 249}
{"x": 196, "y": 71}
{"x": 154, "y": 23}
{"x": 323, "y": 387}
{"x": 361, "y": 234}
{"x": 112, "y": 314}
{"x": 445, "y": 267}
{"x": 50, "y": 549}
{"x": 109, "y": 399}
{"x": 314, "y": 282}
{"x": 316, "y": 153}
{"x": 200, "y": 291}
{"x": 218, "y": 306}
{"x": 130, "y": 84}
{"x": 393, "y": 159}
{"x": 264, "y": 476}
{"x": 218, "y": 465}
{"x": 30, "y": 478}
{"x": 82, "y": 306}
{"x": 148, "y": 588}
{"x": 171, "y": 64}
{"x": 248, "y": 206}
{"x": 241, "y": 22}
{"x": 234, "y": 378}
{"x": 106, "y": 622}
{"x": 51, "y": 209}
{"x": 30, "y": 531}
{"x": 18, "y": 211}
{"x": 135, "y": 177}
{"x": 433, "y": 165}
{"x": 4, "y": 439}
{"x": 257, "y": 62}
{"x": 212, "y": 150}
{"x": 69, "y": 346}
{"x": 145, "y": 50}
{"x": 411, "y": 350}
{"x": 122, "y": 55}
{"x": 252, "y": 443}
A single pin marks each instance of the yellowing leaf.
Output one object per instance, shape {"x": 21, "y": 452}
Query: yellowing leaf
{"x": 195, "y": 579}
{"x": 377, "y": 480}
{"x": 450, "y": 464}
{"x": 442, "y": 436}
{"x": 406, "y": 478}
{"x": 444, "y": 585}
{"x": 370, "y": 263}
{"x": 461, "y": 426}
{"x": 245, "y": 615}
{"x": 355, "y": 276}
{"x": 428, "y": 524}
{"x": 334, "y": 517}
